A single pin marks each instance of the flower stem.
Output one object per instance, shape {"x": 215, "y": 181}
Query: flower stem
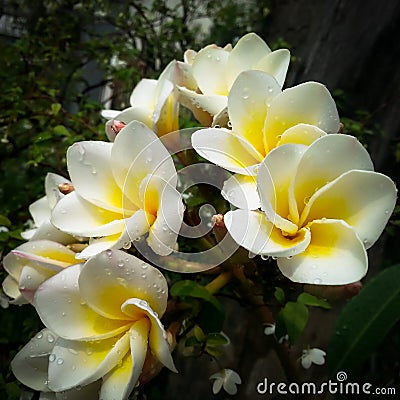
{"x": 219, "y": 282}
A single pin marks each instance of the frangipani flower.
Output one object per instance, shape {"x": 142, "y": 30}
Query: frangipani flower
{"x": 105, "y": 318}
{"x": 215, "y": 69}
{"x": 263, "y": 117}
{"x": 322, "y": 206}
{"x": 122, "y": 191}
{"x": 226, "y": 378}
{"x": 41, "y": 213}
{"x": 153, "y": 102}
{"x": 312, "y": 356}
{"x": 30, "y": 264}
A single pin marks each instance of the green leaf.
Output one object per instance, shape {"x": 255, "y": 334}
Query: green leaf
{"x": 216, "y": 339}
{"x": 4, "y": 221}
{"x": 214, "y": 351}
{"x": 199, "y": 334}
{"x": 61, "y": 130}
{"x": 192, "y": 289}
{"x": 295, "y": 317}
{"x": 310, "y": 300}
{"x": 55, "y": 108}
{"x": 365, "y": 321}
{"x": 280, "y": 295}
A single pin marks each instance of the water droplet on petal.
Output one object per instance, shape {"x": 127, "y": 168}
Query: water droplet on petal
{"x": 60, "y": 361}
{"x": 52, "y": 357}
{"x": 50, "y": 338}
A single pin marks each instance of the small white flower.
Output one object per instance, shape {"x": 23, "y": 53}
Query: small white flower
{"x": 269, "y": 329}
{"x": 226, "y": 378}
{"x": 310, "y": 356}
{"x": 3, "y": 229}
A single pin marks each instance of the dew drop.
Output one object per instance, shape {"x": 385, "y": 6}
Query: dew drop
{"x": 245, "y": 97}
{"x": 50, "y": 338}
{"x": 109, "y": 252}
{"x": 127, "y": 245}
{"x": 39, "y": 335}
{"x": 64, "y": 314}
{"x": 60, "y": 361}
{"x": 73, "y": 351}
{"x": 306, "y": 200}
{"x": 120, "y": 264}
{"x": 264, "y": 257}
{"x": 52, "y": 357}
{"x": 89, "y": 351}
{"x": 144, "y": 266}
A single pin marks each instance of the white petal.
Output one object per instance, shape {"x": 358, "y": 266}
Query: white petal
{"x": 364, "y": 199}
{"x": 309, "y": 103}
{"x": 53, "y": 193}
{"x": 320, "y": 164}
{"x": 138, "y": 113}
{"x": 158, "y": 338}
{"x": 31, "y": 279}
{"x": 11, "y": 289}
{"x": 273, "y": 181}
{"x": 241, "y": 191}
{"x": 89, "y": 165}
{"x": 74, "y": 363}
{"x": 335, "y": 256}
{"x": 138, "y": 152}
{"x": 255, "y": 233}
{"x": 75, "y": 215}
{"x": 166, "y": 111}
{"x": 306, "y": 361}
{"x": 119, "y": 383}
{"x": 230, "y": 382}
{"x": 48, "y": 231}
{"x": 275, "y": 64}
{"x": 200, "y": 103}
{"x": 301, "y": 134}
{"x": 249, "y": 50}
{"x": 61, "y": 308}
{"x": 120, "y": 276}
{"x": 167, "y": 201}
{"x": 227, "y": 150}
{"x": 217, "y": 385}
{"x": 182, "y": 76}
{"x": 98, "y": 245}
{"x": 248, "y": 104}
{"x": 143, "y": 94}
{"x": 209, "y": 70}
{"x": 40, "y": 211}
{"x": 30, "y": 364}
{"x": 109, "y": 114}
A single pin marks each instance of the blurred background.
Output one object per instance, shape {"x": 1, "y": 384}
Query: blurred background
{"x": 63, "y": 61}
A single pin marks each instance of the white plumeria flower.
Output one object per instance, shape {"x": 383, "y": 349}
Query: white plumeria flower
{"x": 227, "y": 379}
{"x": 122, "y": 191}
{"x": 153, "y": 102}
{"x": 322, "y": 206}
{"x": 269, "y": 329}
{"x": 215, "y": 69}
{"x": 41, "y": 209}
{"x": 30, "y": 264}
{"x": 262, "y": 118}
{"x": 31, "y": 367}
{"x": 105, "y": 315}
{"x": 312, "y": 356}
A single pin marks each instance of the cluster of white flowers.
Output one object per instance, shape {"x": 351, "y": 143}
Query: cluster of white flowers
{"x": 291, "y": 199}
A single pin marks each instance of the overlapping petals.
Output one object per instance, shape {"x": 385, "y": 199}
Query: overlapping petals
{"x": 41, "y": 213}
{"x": 263, "y": 117}
{"x": 122, "y": 191}
{"x": 103, "y": 320}
{"x": 30, "y": 264}
{"x": 215, "y": 69}
{"x": 153, "y": 102}
{"x": 318, "y": 216}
